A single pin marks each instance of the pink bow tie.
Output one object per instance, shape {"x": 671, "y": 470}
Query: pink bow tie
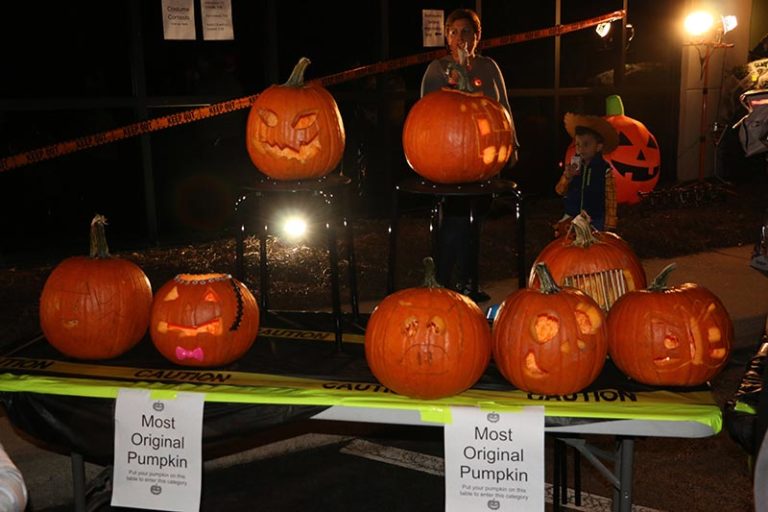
{"x": 182, "y": 354}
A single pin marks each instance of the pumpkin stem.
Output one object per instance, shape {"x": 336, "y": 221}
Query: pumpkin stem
{"x": 430, "y": 281}
{"x": 547, "y": 282}
{"x": 297, "y": 75}
{"x": 660, "y": 282}
{"x": 99, "y": 247}
{"x": 614, "y": 106}
{"x": 464, "y": 84}
{"x": 583, "y": 231}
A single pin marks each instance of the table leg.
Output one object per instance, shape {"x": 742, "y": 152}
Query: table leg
{"x": 333, "y": 255}
{"x": 622, "y": 494}
{"x": 263, "y": 266}
{"x": 392, "y": 259}
{"x": 240, "y": 239}
{"x": 353, "y": 297}
{"x": 78, "y": 481}
{"x": 522, "y": 265}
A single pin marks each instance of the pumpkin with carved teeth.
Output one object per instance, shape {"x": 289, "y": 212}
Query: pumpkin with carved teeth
{"x": 203, "y": 319}
{"x": 294, "y": 131}
{"x": 670, "y": 335}
{"x": 550, "y": 340}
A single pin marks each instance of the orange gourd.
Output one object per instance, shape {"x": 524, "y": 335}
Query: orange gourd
{"x": 457, "y": 136}
{"x": 97, "y": 306}
{"x": 427, "y": 342}
{"x": 203, "y": 319}
{"x": 294, "y": 131}
{"x": 601, "y": 264}
{"x": 670, "y": 335}
{"x": 551, "y": 340}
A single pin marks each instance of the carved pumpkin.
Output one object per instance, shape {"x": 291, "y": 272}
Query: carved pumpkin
{"x": 95, "y": 307}
{"x": 599, "y": 263}
{"x": 203, "y": 319}
{"x": 295, "y": 131}
{"x": 457, "y": 136}
{"x": 636, "y": 161}
{"x": 427, "y": 342}
{"x": 551, "y": 340}
{"x": 670, "y": 336}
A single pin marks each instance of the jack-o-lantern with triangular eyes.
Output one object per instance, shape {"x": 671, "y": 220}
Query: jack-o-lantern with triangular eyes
{"x": 203, "y": 319}
{"x": 457, "y": 136}
{"x": 670, "y": 335}
{"x": 636, "y": 161}
{"x": 427, "y": 342}
{"x": 550, "y": 340}
{"x": 294, "y": 131}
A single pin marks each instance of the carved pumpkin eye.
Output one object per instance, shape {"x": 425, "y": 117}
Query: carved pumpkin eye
{"x": 305, "y": 120}
{"x": 210, "y": 297}
{"x": 172, "y": 294}
{"x": 268, "y": 117}
{"x": 546, "y": 327}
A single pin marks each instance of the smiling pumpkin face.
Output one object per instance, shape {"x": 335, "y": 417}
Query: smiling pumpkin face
{"x": 550, "y": 342}
{"x": 294, "y": 130}
{"x": 203, "y": 319}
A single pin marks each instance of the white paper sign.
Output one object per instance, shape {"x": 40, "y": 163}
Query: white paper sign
{"x": 217, "y": 20}
{"x": 494, "y": 460}
{"x": 179, "y": 19}
{"x": 432, "y": 26}
{"x": 158, "y": 451}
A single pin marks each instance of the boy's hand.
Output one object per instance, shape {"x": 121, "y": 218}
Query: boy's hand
{"x": 572, "y": 170}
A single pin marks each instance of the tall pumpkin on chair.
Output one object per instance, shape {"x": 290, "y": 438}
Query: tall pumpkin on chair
{"x": 203, "y": 319}
{"x": 457, "y": 135}
{"x": 294, "y": 130}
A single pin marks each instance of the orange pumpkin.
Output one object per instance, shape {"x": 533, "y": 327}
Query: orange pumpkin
{"x": 601, "y": 264}
{"x": 636, "y": 161}
{"x": 670, "y": 336}
{"x": 204, "y": 319}
{"x": 295, "y": 131}
{"x": 551, "y": 340}
{"x": 427, "y": 342}
{"x": 95, "y": 307}
{"x": 457, "y": 136}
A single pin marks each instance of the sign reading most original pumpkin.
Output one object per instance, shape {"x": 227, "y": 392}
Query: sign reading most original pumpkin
{"x": 295, "y": 131}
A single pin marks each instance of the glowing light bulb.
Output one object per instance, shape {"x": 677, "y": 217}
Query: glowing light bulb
{"x": 698, "y": 23}
{"x": 294, "y": 227}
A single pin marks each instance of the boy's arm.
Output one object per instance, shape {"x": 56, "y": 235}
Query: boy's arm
{"x": 562, "y": 184}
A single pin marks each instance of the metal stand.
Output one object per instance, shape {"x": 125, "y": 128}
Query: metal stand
{"x": 328, "y": 189}
{"x": 494, "y": 187}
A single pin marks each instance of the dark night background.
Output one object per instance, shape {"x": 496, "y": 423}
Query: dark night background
{"x": 69, "y": 70}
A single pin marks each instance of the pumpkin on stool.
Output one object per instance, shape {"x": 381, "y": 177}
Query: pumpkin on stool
{"x": 295, "y": 131}
{"x": 551, "y": 340}
{"x": 670, "y": 335}
{"x": 427, "y": 342}
{"x": 457, "y": 135}
{"x": 204, "y": 319}
{"x": 95, "y": 307}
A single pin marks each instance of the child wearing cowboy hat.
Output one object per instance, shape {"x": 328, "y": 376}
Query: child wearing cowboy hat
{"x": 587, "y": 182}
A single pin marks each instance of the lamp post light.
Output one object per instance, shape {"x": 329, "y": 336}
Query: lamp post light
{"x": 706, "y": 33}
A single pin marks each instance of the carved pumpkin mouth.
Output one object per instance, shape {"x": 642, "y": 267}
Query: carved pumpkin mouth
{"x": 532, "y": 368}
{"x": 426, "y": 358}
{"x": 213, "y": 326}
{"x": 637, "y": 173}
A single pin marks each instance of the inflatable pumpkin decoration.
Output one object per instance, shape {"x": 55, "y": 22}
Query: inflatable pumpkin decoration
{"x": 427, "y": 342}
{"x": 203, "y": 319}
{"x": 636, "y": 161}
{"x": 97, "y": 306}
{"x": 294, "y": 130}
{"x": 457, "y": 135}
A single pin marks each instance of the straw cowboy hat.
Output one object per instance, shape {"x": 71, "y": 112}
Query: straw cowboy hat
{"x": 598, "y": 124}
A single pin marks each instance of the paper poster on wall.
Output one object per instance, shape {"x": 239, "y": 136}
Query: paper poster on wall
{"x": 179, "y": 20}
{"x": 432, "y": 27}
{"x": 217, "y": 20}
{"x": 494, "y": 460}
{"x": 158, "y": 451}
